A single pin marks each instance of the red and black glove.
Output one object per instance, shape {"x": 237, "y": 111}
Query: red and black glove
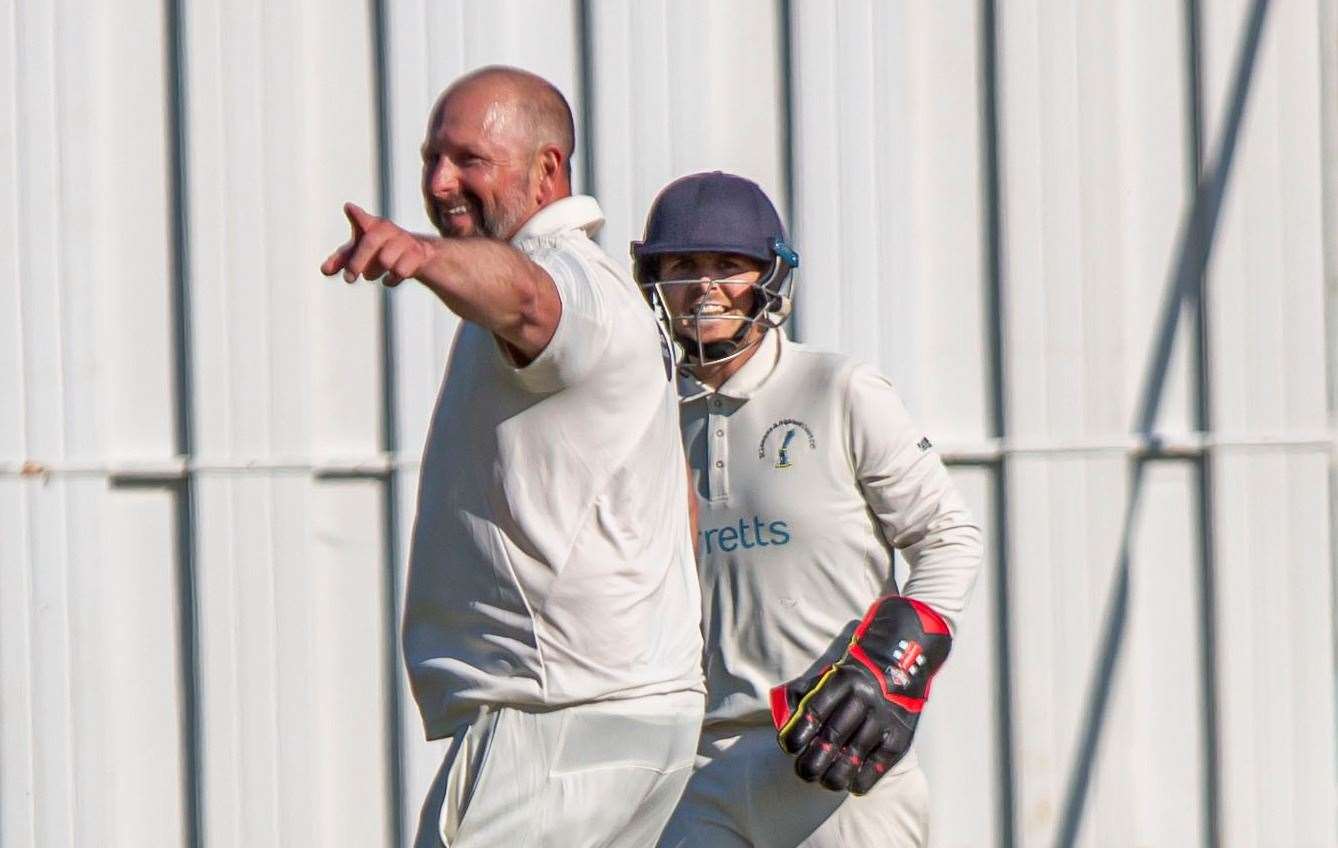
{"x": 853, "y": 722}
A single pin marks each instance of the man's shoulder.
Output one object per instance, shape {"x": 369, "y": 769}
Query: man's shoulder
{"x": 582, "y": 253}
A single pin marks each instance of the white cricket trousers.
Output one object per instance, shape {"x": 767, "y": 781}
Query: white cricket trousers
{"x": 744, "y": 794}
{"x": 605, "y": 774}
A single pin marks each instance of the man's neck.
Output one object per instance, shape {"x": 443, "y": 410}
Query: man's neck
{"x": 544, "y": 202}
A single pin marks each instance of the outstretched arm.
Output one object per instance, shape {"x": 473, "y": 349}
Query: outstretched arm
{"x": 482, "y": 280}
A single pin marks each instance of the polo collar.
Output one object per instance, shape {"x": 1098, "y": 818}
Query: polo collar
{"x": 578, "y": 212}
{"x": 743, "y": 383}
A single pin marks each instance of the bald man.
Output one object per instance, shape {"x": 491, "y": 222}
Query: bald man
{"x": 551, "y": 624}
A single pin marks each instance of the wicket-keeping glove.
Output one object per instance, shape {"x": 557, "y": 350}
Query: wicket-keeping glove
{"x": 853, "y": 722}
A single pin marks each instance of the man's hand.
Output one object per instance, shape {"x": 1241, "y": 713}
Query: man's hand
{"x": 378, "y": 249}
{"x": 482, "y": 280}
{"x": 851, "y": 724}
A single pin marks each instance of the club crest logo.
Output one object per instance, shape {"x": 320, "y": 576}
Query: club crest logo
{"x": 783, "y": 439}
{"x": 909, "y": 657}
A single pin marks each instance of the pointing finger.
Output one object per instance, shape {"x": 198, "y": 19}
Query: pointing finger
{"x": 360, "y": 219}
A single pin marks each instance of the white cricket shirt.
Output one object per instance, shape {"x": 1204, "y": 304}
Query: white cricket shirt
{"x": 809, "y": 472}
{"x": 551, "y": 561}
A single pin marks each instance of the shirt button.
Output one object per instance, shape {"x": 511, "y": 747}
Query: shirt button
{"x": 720, "y": 432}
{"x": 719, "y": 463}
{"x": 715, "y": 403}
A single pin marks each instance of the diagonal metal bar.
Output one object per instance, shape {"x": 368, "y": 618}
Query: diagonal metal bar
{"x": 1196, "y": 243}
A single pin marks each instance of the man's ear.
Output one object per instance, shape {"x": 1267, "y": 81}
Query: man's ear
{"x": 552, "y": 172}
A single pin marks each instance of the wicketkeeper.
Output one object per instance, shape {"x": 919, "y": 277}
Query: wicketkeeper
{"x": 808, "y": 473}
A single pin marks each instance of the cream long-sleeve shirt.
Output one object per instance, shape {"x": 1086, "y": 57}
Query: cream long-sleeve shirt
{"x": 809, "y": 472}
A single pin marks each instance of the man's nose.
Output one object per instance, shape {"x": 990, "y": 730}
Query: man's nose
{"x": 442, "y": 178}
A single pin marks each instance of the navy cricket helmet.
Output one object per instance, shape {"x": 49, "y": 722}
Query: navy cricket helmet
{"x": 715, "y": 212}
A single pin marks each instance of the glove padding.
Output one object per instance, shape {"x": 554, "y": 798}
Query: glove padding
{"x": 853, "y": 722}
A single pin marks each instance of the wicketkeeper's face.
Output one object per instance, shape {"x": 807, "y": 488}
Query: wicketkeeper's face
{"x": 479, "y": 168}
{"x": 710, "y": 295}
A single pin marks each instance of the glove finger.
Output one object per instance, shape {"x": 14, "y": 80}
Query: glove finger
{"x": 863, "y": 742}
{"x": 831, "y": 736}
{"x": 812, "y": 711}
{"x": 888, "y": 753}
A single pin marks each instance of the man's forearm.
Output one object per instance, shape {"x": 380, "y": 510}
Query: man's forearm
{"x": 497, "y": 287}
{"x": 484, "y": 281}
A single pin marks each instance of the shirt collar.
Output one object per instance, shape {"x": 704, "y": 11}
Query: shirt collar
{"x": 570, "y": 213}
{"x": 742, "y": 383}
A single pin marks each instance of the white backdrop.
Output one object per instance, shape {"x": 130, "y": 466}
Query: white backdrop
{"x": 208, "y": 453}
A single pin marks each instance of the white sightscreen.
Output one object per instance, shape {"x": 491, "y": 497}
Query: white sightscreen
{"x": 1002, "y": 254}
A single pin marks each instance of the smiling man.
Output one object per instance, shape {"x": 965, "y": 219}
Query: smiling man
{"x": 551, "y": 625}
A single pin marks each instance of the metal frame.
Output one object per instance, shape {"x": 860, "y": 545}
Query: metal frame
{"x": 1185, "y": 292}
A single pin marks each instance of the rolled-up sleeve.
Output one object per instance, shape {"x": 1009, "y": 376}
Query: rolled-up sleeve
{"x": 583, "y": 331}
{"x": 907, "y": 487}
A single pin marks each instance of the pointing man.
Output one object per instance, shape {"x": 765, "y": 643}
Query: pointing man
{"x": 551, "y": 624}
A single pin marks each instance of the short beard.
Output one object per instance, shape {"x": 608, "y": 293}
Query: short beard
{"x": 510, "y": 211}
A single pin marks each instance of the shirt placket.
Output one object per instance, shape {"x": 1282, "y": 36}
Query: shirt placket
{"x": 717, "y": 447}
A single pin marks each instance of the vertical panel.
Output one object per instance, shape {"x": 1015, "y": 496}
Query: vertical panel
{"x": 429, "y": 45}
{"x": 1094, "y": 134}
{"x": 1094, "y": 147}
{"x": 1274, "y": 599}
{"x": 130, "y": 631}
{"x": 18, "y": 777}
{"x": 1328, "y": 98}
{"x": 1148, "y": 784}
{"x": 682, "y": 87}
{"x": 1064, "y": 550}
{"x": 1146, "y": 781}
{"x": 955, "y": 739}
{"x": 89, "y": 702}
{"x": 14, "y": 96}
{"x": 888, "y": 199}
{"x": 280, "y": 110}
{"x": 1266, "y": 301}
{"x": 128, "y": 569}
{"x": 1328, "y": 34}
{"x": 1270, "y": 377}
{"x": 23, "y": 769}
